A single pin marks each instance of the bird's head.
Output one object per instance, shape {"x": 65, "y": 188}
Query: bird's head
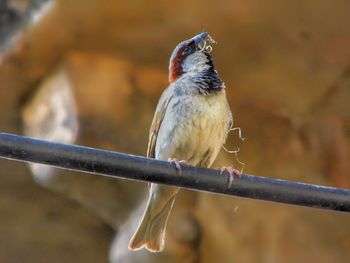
{"x": 191, "y": 56}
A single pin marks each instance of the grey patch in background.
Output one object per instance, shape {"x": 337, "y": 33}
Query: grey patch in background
{"x": 13, "y": 15}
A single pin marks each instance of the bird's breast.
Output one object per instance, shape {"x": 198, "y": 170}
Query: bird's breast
{"x": 194, "y": 128}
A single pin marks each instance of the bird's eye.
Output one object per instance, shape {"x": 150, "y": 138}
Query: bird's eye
{"x": 187, "y": 50}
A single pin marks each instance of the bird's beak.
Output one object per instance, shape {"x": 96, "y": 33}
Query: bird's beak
{"x": 200, "y": 39}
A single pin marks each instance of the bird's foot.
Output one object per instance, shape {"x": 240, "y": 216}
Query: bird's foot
{"x": 232, "y": 172}
{"x": 177, "y": 163}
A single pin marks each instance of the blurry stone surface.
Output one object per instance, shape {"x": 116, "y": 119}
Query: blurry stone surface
{"x": 51, "y": 115}
{"x": 37, "y": 225}
{"x": 286, "y": 68}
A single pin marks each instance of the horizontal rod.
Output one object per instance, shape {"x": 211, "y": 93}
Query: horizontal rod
{"x": 118, "y": 165}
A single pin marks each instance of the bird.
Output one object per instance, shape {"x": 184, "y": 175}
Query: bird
{"x": 190, "y": 124}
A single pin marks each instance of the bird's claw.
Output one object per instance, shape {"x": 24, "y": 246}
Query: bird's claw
{"x": 177, "y": 163}
{"x": 232, "y": 172}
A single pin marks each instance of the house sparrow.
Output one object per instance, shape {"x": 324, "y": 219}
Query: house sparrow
{"x": 191, "y": 123}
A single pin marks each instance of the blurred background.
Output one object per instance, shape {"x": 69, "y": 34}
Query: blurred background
{"x": 91, "y": 72}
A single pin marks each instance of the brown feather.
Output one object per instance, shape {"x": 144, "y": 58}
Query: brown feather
{"x": 156, "y": 123}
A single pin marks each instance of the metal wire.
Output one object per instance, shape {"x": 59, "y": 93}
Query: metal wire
{"x": 118, "y": 165}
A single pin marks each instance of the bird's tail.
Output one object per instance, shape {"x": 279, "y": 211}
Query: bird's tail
{"x": 151, "y": 232}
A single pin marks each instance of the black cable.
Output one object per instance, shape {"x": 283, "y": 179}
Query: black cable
{"x": 112, "y": 164}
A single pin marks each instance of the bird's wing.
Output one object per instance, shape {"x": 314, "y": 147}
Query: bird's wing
{"x": 157, "y": 121}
